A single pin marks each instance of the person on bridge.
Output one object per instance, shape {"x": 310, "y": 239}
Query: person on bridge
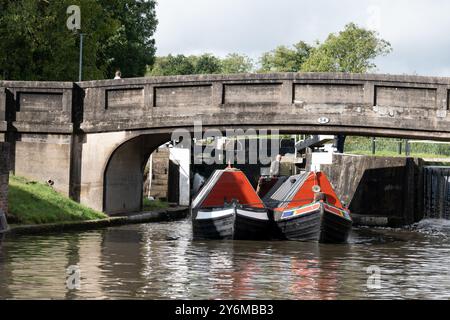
{"x": 118, "y": 75}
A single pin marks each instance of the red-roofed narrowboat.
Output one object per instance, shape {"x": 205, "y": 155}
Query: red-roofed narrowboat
{"x": 227, "y": 207}
{"x": 306, "y": 208}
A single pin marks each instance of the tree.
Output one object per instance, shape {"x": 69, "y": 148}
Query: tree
{"x": 206, "y": 64}
{"x": 352, "y": 50}
{"x": 182, "y": 65}
{"x": 236, "y": 63}
{"x": 172, "y": 65}
{"x": 285, "y": 59}
{"x": 132, "y": 47}
{"x": 36, "y": 45}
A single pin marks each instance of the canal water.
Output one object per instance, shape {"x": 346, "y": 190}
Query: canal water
{"x": 160, "y": 261}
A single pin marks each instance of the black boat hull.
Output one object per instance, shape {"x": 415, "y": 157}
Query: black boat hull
{"x": 231, "y": 224}
{"x": 317, "y": 222}
{"x": 335, "y": 228}
{"x": 304, "y": 228}
{"x": 252, "y": 224}
{"x": 216, "y": 228}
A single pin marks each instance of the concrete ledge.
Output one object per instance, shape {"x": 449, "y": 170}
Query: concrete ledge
{"x": 376, "y": 221}
{"x": 158, "y": 216}
{"x": 369, "y": 221}
{"x": 322, "y": 76}
{"x": 148, "y": 217}
{"x": 36, "y": 84}
{"x": 33, "y": 127}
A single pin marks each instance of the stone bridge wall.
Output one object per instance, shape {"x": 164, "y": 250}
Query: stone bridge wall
{"x": 4, "y": 176}
{"x": 406, "y": 106}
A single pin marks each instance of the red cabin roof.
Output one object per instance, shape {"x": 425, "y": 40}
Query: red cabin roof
{"x": 229, "y": 185}
{"x": 305, "y": 194}
{"x": 297, "y": 191}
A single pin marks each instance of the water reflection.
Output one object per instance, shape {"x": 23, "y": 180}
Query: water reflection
{"x": 144, "y": 262}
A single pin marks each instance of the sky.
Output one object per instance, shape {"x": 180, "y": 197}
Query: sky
{"x": 418, "y": 30}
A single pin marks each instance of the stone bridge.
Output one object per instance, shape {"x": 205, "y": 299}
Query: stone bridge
{"x": 93, "y": 138}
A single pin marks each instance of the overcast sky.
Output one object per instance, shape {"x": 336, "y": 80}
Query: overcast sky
{"x": 419, "y": 30}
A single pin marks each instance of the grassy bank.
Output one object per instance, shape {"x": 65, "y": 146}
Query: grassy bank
{"x": 387, "y": 153}
{"x": 36, "y": 203}
{"x": 389, "y": 147}
{"x": 154, "y": 205}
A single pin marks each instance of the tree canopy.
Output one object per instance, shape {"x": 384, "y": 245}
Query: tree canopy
{"x": 285, "y": 59}
{"x": 237, "y": 63}
{"x": 36, "y": 45}
{"x": 202, "y": 64}
{"x": 352, "y": 50}
{"x": 172, "y": 65}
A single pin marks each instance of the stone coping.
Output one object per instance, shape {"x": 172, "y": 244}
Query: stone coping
{"x": 360, "y": 220}
{"x": 146, "y": 217}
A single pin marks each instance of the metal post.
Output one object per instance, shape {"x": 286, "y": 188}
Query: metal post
{"x": 374, "y": 146}
{"x": 400, "y": 147}
{"x": 80, "y": 78}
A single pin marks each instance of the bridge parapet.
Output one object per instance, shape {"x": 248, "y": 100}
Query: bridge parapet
{"x": 38, "y": 107}
{"x": 407, "y": 106}
{"x": 322, "y": 102}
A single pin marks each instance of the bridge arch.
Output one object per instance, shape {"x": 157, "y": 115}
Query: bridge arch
{"x": 124, "y": 172}
{"x": 113, "y": 163}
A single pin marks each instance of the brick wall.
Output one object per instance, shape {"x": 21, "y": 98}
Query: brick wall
{"x": 4, "y": 176}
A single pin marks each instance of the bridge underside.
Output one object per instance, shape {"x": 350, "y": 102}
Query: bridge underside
{"x": 92, "y": 138}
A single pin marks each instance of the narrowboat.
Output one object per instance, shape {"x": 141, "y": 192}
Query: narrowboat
{"x": 227, "y": 207}
{"x": 306, "y": 208}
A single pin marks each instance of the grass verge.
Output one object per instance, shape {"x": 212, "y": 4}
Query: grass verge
{"x": 150, "y": 205}
{"x": 36, "y": 203}
{"x": 386, "y": 153}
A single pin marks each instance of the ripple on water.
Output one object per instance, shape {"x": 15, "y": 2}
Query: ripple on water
{"x": 160, "y": 261}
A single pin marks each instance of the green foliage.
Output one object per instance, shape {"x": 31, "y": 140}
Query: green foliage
{"x": 131, "y": 49}
{"x": 36, "y": 203}
{"x": 150, "y": 205}
{"x": 391, "y": 147}
{"x": 285, "y": 59}
{"x": 236, "y": 63}
{"x": 172, "y": 65}
{"x": 204, "y": 64}
{"x": 36, "y": 45}
{"x": 352, "y": 50}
